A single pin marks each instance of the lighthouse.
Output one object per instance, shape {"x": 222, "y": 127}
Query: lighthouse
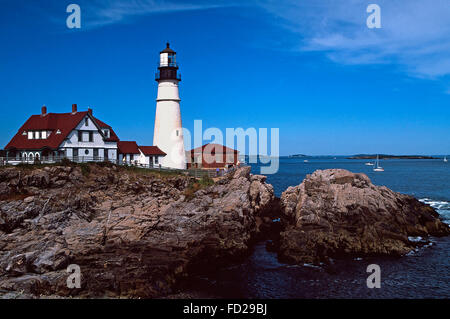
{"x": 168, "y": 132}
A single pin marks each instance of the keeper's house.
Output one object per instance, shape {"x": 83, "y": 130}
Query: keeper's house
{"x": 213, "y": 156}
{"x": 78, "y": 136}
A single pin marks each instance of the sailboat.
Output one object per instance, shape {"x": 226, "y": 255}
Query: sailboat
{"x": 378, "y": 168}
{"x": 445, "y": 159}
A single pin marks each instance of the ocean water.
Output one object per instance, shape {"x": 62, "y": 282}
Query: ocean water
{"x": 424, "y": 273}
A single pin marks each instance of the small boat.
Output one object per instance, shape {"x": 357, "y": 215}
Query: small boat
{"x": 369, "y": 164}
{"x": 377, "y": 167}
{"x": 305, "y": 161}
{"x": 445, "y": 159}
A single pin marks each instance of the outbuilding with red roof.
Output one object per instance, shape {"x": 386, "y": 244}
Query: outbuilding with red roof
{"x": 212, "y": 156}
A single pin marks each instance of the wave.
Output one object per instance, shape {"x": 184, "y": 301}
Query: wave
{"x": 442, "y": 207}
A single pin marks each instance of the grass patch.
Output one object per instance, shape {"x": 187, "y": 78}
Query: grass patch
{"x": 150, "y": 172}
{"x": 206, "y": 181}
{"x": 193, "y": 187}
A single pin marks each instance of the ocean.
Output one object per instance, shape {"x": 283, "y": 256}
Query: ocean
{"x": 424, "y": 273}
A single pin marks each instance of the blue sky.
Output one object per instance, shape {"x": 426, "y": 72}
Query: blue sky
{"x": 310, "y": 68}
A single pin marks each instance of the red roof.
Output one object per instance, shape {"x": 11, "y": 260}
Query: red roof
{"x": 151, "y": 150}
{"x": 215, "y": 148}
{"x": 112, "y": 135}
{"x": 128, "y": 147}
{"x": 64, "y": 122}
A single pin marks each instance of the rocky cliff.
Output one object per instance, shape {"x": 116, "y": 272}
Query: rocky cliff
{"x": 132, "y": 232}
{"x": 137, "y": 233}
{"x": 336, "y": 213}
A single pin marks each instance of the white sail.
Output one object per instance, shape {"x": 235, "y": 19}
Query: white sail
{"x": 378, "y": 168}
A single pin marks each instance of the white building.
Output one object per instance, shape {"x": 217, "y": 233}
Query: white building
{"x": 132, "y": 154}
{"x": 76, "y": 135}
{"x": 81, "y": 137}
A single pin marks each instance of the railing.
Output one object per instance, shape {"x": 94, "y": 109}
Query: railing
{"x": 194, "y": 172}
{"x": 176, "y": 76}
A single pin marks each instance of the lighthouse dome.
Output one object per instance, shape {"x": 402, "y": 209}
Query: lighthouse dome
{"x": 168, "y": 49}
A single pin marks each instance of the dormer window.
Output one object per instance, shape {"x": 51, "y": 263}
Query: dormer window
{"x": 106, "y": 132}
{"x": 30, "y": 135}
{"x": 58, "y": 132}
{"x": 24, "y": 133}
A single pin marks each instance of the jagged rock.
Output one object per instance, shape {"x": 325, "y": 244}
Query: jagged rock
{"x": 131, "y": 234}
{"x": 335, "y": 213}
{"x": 29, "y": 199}
{"x": 138, "y": 234}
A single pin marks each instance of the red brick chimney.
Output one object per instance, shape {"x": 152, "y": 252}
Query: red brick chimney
{"x": 44, "y": 110}
{"x": 90, "y": 111}
{"x": 74, "y": 108}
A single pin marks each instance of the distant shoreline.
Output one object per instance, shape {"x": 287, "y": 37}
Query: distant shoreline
{"x": 383, "y": 156}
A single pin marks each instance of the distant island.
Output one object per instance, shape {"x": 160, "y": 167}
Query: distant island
{"x": 384, "y": 156}
{"x": 298, "y": 155}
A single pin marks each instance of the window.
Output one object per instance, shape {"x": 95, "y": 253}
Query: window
{"x": 95, "y": 152}
{"x": 86, "y": 152}
{"x": 24, "y": 133}
{"x": 91, "y": 136}
{"x": 30, "y": 135}
{"x": 177, "y": 133}
{"x": 156, "y": 160}
{"x": 75, "y": 152}
{"x": 80, "y": 136}
{"x": 58, "y": 132}
{"x": 106, "y": 132}
{"x": 106, "y": 154}
{"x": 86, "y": 122}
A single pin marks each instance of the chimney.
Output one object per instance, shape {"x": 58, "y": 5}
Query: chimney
{"x": 44, "y": 110}
{"x": 74, "y": 108}
{"x": 90, "y": 111}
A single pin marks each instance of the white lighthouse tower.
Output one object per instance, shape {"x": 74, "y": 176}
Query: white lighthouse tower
{"x": 168, "y": 133}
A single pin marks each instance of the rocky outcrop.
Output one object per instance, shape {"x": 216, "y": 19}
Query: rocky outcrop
{"x": 138, "y": 233}
{"x": 336, "y": 213}
{"x": 132, "y": 232}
